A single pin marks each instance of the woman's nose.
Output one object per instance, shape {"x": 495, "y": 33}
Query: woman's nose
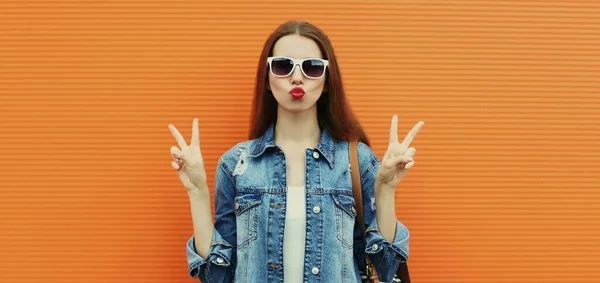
{"x": 297, "y": 77}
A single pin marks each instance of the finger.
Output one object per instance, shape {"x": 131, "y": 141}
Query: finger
{"x": 411, "y": 135}
{"x": 409, "y": 165}
{"x": 178, "y": 137}
{"x": 394, "y": 130}
{"x": 410, "y": 152}
{"x": 195, "y": 134}
{"x": 400, "y": 159}
{"x": 175, "y": 165}
{"x": 175, "y": 152}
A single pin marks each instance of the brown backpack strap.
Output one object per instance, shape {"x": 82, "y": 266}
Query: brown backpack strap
{"x": 357, "y": 190}
{"x": 402, "y": 271}
{"x": 356, "y": 186}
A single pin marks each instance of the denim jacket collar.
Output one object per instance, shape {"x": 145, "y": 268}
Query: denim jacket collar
{"x": 326, "y": 144}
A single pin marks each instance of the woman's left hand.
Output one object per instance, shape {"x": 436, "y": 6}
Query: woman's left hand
{"x": 398, "y": 158}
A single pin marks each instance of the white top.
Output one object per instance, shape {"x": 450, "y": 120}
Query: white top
{"x": 294, "y": 237}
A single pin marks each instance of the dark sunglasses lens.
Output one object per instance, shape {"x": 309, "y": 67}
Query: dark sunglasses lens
{"x": 313, "y": 68}
{"x": 281, "y": 66}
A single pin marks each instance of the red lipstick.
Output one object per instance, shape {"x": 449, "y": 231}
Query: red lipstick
{"x": 297, "y": 92}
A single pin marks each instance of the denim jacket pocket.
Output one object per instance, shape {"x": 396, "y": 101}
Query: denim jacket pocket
{"x": 246, "y": 211}
{"x": 345, "y": 215}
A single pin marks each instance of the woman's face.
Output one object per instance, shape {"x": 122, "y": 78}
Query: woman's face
{"x": 296, "y": 92}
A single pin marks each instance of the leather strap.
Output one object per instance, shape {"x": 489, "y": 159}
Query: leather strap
{"x": 356, "y": 186}
{"x": 357, "y": 190}
{"x": 402, "y": 271}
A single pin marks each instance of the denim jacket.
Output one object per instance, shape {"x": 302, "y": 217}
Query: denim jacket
{"x": 250, "y": 204}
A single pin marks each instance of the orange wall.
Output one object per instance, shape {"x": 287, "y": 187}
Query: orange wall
{"x": 506, "y": 183}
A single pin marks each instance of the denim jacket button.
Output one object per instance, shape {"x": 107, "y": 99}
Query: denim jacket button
{"x": 237, "y": 204}
{"x": 316, "y": 155}
{"x": 316, "y": 209}
{"x": 375, "y": 247}
{"x": 315, "y": 271}
{"x": 219, "y": 260}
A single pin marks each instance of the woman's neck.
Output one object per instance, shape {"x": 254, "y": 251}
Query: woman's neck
{"x": 297, "y": 128}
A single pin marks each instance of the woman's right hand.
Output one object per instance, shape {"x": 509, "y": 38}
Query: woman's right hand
{"x": 188, "y": 161}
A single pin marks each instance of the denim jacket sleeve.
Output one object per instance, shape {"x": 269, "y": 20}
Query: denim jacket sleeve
{"x": 385, "y": 256}
{"x": 219, "y": 266}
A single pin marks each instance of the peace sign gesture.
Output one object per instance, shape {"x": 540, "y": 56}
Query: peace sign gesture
{"x": 187, "y": 159}
{"x": 399, "y": 156}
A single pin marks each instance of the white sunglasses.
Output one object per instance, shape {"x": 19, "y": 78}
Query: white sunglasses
{"x": 312, "y": 68}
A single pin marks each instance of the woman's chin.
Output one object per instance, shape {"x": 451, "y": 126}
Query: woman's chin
{"x": 296, "y": 106}
{"x": 291, "y": 104}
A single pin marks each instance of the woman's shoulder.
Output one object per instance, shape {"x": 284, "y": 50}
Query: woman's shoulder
{"x": 235, "y": 153}
{"x": 367, "y": 158}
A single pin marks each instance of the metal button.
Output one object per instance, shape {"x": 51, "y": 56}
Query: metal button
{"x": 237, "y": 204}
{"x": 316, "y": 209}
{"x": 353, "y": 210}
{"x": 375, "y": 247}
{"x": 315, "y": 271}
{"x": 315, "y": 155}
{"x": 219, "y": 260}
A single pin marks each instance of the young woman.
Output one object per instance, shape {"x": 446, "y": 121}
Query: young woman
{"x": 284, "y": 206}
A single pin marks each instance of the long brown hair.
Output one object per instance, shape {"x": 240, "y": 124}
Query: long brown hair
{"x": 333, "y": 112}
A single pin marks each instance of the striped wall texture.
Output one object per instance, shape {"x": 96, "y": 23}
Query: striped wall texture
{"x": 506, "y": 183}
